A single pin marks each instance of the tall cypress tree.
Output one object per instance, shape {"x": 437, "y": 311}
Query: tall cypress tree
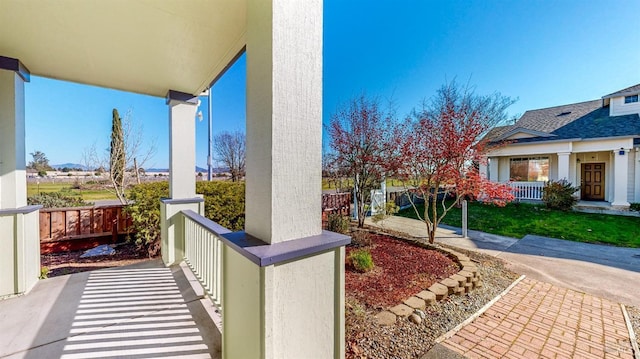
{"x": 117, "y": 156}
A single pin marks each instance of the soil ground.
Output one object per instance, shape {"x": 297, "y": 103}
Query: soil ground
{"x": 70, "y": 262}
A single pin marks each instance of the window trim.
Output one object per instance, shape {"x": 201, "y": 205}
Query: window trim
{"x": 529, "y": 158}
{"x": 631, "y": 99}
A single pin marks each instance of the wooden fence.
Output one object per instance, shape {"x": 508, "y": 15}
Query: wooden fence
{"x": 76, "y": 228}
{"x": 339, "y": 203}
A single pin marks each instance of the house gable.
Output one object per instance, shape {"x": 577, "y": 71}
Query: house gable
{"x": 624, "y": 102}
{"x": 521, "y": 132}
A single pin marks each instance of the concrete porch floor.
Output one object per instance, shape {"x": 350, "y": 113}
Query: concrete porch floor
{"x": 140, "y": 311}
{"x": 603, "y": 208}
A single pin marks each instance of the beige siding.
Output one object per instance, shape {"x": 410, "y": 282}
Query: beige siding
{"x": 618, "y": 107}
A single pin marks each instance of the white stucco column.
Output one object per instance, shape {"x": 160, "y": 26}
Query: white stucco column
{"x": 182, "y": 180}
{"x": 493, "y": 169}
{"x": 563, "y": 165}
{"x": 13, "y": 185}
{"x": 283, "y": 282}
{"x": 620, "y": 178}
{"x": 19, "y": 223}
{"x": 284, "y": 119}
{"x": 182, "y": 141}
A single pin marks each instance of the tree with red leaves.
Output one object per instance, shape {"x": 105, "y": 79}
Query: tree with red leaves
{"x": 358, "y": 136}
{"x": 438, "y": 150}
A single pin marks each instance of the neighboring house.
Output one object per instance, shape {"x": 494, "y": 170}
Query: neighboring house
{"x": 592, "y": 144}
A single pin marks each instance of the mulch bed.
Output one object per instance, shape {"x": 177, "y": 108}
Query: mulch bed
{"x": 70, "y": 262}
{"x": 365, "y": 338}
{"x": 401, "y": 270}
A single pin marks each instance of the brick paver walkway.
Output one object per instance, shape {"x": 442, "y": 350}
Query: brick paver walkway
{"x": 539, "y": 320}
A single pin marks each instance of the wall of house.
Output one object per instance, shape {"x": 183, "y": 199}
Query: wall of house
{"x": 618, "y": 107}
{"x": 637, "y": 175}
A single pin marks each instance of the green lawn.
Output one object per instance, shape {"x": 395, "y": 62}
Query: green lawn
{"x": 518, "y": 220}
{"x": 87, "y": 194}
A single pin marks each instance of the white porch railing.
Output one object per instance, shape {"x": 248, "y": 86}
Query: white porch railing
{"x": 203, "y": 253}
{"x": 527, "y": 190}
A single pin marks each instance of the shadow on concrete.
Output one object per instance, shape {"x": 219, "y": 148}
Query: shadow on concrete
{"x": 139, "y": 311}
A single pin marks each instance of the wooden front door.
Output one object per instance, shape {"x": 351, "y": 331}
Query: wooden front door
{"x": 592, "y": 186}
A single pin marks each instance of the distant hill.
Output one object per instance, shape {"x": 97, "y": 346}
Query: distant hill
{"x": 198, "y": 169}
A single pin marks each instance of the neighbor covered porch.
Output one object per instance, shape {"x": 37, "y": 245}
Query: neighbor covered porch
{"x": 605, "y": 169}
{"x": 264, "y": 279}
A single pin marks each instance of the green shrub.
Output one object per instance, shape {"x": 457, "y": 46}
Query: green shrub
{"x": 44, "y": 273}
{"x": 389, "y": 210}
{"x": 360, "y": 239}
{"x": 338, "y": 223}
{"x": 360, "y": 260}
{"x": 224, "y": 204}
{"x": 144, "y": 211}
{"x": 57, "y": 200}
{"x": 635, "y": 207}
{"x": 559, "y": 195}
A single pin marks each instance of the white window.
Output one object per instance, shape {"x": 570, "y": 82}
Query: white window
{"x": 631, "y": 99}
{"x": 529, "y": 169}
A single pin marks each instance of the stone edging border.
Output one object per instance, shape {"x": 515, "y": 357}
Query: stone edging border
{"x": 475, "y": 315}
{"x": 467, "y": 279}
{"x": 632, "y": 334}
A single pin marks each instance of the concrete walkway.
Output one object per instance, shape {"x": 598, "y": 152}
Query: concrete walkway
{"x": 139, "y": 311}
{"x": 604, "y": 271}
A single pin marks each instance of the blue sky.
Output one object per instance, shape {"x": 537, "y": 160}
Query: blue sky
{"x": 544, "y": 53}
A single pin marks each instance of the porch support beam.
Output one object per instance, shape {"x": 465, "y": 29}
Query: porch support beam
{"x": 563, "y": 166}
{"x": 293, "y": 308}
{"x": 19, "y": 223}
{"x": 182, "y": 181}
{"x": 620, "y": 178}
{"x": 13, "y": 175}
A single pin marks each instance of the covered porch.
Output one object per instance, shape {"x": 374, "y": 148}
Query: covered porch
{"x": 606, "y": 171}
{"x": 265, "y": 278}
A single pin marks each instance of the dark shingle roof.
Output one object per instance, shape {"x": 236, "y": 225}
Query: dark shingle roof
{"x": 579, "y": 120}
{"x": 496, "y": 132}
{"x": 595, "y": 124}
{"x": 550, "y": 119}
{"x": 632, "y": 90}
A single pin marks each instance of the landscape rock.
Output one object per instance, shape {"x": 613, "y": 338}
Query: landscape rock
{"x": 385, "y": 318}
{"x": 427, "y": 296}
{"x": 441, "y": 291}
{"x": 103, "y": 250}
{"x": 415, "y": 319}
{"x": 415, "y": 303}
{"x": 401, "y": 310}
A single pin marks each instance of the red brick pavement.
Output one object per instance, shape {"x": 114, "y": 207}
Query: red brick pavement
{"x": 539, "y": 320}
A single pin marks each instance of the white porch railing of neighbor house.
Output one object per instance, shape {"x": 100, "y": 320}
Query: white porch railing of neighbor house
{"x": 527, "y": 190}
{"x": 203, "y": 253}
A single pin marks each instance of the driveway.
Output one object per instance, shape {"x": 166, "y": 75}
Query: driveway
{"x": 604, "y": 271}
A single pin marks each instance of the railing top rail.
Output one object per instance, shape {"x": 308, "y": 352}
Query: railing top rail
{"x": 264, "y": 254}
{"x": 82, "y": 208}
{"x": 21, "y": 210}
{"x": 206, "y": 223}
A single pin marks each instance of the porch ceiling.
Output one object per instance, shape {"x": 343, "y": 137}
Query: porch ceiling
{"x": 143, "y": 46}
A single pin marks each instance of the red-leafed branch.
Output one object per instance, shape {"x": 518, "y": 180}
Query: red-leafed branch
{"x": 359, "y": 140}
{"x": 438, "y": 150}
